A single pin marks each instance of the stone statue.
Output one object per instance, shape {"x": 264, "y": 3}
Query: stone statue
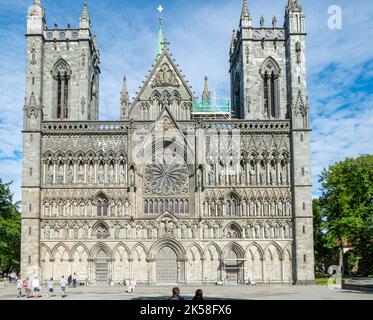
{"x": 91, "y": 174}
{"x": 81, "y": 174}
{"x": 262, "y": 176}
{"x": 261, "y": 21}
{"x": 273, "y": 176}
{"x": 252, "y": 177}
{"x": 126, "y": 205}
{"x": 85, "y": 232}
{"x": 60, "y": 175}
{"x": 243, "y": 175}
{"x": 277, "y": 231}
{"x": 101, "y": 175}
{"x": 46, "y": 209}
{"x": 122, "y": 174}
{"x": 211, "y": 175}
{"x": 274, "y": 22}
{"x": 70, "y": 175}
{"x": 111, "y": 175}
{"x": 50, "y": 174}
{"x": 199, "y": 179}
{"x": 257, "y": 231}
{"x": 266, "y": 231}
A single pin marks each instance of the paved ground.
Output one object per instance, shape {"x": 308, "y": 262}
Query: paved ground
{"x": 259, "y": 292}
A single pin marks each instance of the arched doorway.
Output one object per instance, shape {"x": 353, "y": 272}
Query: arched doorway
{"x": 102, "y": 268}
{"x": 233, "y": 266}
{"x": 166, "y": 266}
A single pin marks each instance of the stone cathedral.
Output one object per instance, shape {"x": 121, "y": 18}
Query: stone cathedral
{"x": 180, "y": 189}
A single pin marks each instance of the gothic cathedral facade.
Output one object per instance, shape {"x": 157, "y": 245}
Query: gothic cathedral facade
{"x": 172, "y": 192}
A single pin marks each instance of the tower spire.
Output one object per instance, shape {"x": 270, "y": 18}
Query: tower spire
{"x": 160, "y": 40}
{"x": 245, "y": 20}
{"x": 206, "y": 93}
{"x": 85, "y": 22}
{"x": 37, "y": 3}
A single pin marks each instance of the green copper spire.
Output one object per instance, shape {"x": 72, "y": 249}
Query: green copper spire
{"x": 160, "y": 40}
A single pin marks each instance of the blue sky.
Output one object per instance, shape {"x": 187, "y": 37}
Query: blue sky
{"x": 340, "y": 63}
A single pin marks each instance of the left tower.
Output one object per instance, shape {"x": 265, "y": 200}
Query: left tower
{"x": 62, "y": 83}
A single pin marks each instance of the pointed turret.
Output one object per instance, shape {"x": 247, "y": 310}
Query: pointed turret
{"x": 294, "y": 17}
{"x": 233, "y": 41}
{"x": 206, "y": 96}
{"x": 293, "y": 5}
{"x": 245, "y": 16}
{"x": 35, "y": 18}
{"x": 85, "y": 23}
{"x": 124, "y": 100}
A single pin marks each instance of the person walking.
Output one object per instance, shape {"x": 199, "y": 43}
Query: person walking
{"x": 74, "y": 280}
{"x": 69, "y": 280}
{"x": 27, "y": 285}
{"x": 129, "y": 285}
{"x": 63, "y": 287}
{"x": 19, "y": 287}
{"x": 50, "y": 288}
{"x": 176, "y": 294}
{"x": 198, "y": 295}
{"x": 36, "y": 287}
{"x": 134, "y": 283}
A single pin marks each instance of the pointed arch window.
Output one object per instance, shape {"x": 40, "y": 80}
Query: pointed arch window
{"x": 232, "y": 206}
{"x": 102, "y": 232}
{"x": 62, "y": 74}
{"x": 270, "y": 73}
{"x": 102, "y": 205}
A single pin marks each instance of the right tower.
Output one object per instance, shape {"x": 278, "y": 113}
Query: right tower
{"x": 268, "y": 82}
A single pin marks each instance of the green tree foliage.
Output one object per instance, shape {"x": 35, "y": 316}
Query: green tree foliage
{"x": 10, "y": 230}
{"x": 344, "y": 212}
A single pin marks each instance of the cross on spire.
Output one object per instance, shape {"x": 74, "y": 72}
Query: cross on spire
{"x": 165, "y": 44}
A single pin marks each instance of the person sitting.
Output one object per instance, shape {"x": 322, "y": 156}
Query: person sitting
{"x": 198, "y": 295}
{"x": 176, "y": 294}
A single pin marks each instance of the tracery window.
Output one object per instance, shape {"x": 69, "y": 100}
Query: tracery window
{"x": 231, "y": 206}
{"x": 62, "y": 74}
{"x": 102, "y": 205}
{"x": 270, "y": 73}
{"x": 102, "y": 232}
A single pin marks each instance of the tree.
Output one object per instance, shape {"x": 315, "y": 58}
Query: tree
{"x": 10, "y": 229}
{"x": 324, "y": 253}
{"x": 346, "y": 207}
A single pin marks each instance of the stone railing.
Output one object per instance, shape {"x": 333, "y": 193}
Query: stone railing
{"x": 123, "y": 126}
{"x": 85, "y": 127}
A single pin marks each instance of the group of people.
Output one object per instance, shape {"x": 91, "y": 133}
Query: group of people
{"x": 131, "y": 285}
{"x": 9, "y": 277}
{"x": 176, "y": 294}
{"x": 32, "y": 287}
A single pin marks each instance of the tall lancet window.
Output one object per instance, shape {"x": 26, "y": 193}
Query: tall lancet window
{"x": 270, "y": 73}
{"x": 61, "y": 74}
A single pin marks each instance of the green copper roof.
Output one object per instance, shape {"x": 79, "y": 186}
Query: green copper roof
{"x": 160, "y": 41}
{"x": 211, "y": 106}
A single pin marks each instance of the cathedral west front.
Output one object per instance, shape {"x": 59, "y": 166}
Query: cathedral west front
{"x": 180, "y": 189}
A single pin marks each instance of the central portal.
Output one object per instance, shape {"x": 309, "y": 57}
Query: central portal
{"x": 166, "y": 266}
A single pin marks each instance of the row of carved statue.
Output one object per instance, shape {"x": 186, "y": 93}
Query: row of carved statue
{"x": 247, "y": 208}
{"x": 76, "y": 230}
